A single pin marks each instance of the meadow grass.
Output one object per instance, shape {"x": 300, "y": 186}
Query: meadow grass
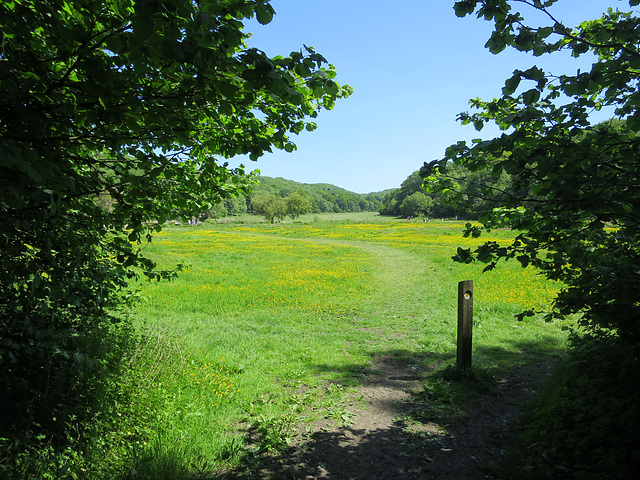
{"x": 274, "y": 324}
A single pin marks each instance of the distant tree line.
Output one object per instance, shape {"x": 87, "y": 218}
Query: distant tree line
{"x": 277, "y": 198}
{"x": 323, "y": 197}
{"x": 412, "y": 198}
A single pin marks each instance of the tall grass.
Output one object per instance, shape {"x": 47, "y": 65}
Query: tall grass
{"x": 271, "y": 326}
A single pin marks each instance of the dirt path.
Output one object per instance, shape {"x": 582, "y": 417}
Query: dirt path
{"x": 380, "y": 443}
{"x": 377, "y": 446}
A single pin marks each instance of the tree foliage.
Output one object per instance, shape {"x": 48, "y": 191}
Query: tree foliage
{"x": 575, "y": 195}
{"x": 115, "y": 114}
{"x": 323, "y": 196}
{"x": 270, "y": 206}
{"x": 416, "y": 204}
{"x": 273, "y": 207}
{"x": 297, "y": 204}
{"x": 471, "y": 201}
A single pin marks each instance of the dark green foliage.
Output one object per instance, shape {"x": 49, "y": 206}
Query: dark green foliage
{"x": 83, "y": 416}
{"x": 585, "y": 424}
{"x": 573, "y": 189}
{"x": 114, "y": 117}
{"x": 60, "y": 290}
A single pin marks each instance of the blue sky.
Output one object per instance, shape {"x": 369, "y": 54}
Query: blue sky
{"x": 413, "y": 65}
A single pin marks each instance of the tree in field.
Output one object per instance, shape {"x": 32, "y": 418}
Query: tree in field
{"x": 297, "y": 204}
{"x": 416, "y": 204}
{"x": 270, "y": 206}
{"x": 575, "y": 193}
{"x": 138, "y": 102}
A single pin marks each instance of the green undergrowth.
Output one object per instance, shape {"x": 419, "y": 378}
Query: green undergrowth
{"x": 584, "y": 424}
{"x": 104, "y": 420}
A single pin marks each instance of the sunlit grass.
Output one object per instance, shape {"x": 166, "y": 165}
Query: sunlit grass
{"x": 265, "y": 315}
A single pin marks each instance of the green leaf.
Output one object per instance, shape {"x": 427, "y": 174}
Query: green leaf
{"x": 531, "y": 96}
{"x": 143, "y": 28}
{"x": 464, "y": 8}
{"x": 524, "y": 260}
{"x": 67, "y": 8}
{"x": 302, "y": 70}
{"x": 496, "y": 43}
{"x": 264, "y": 13}
{"x": 511, "y": 84}
{"x": 331, "y": 87}
{"x": 544, "y": 32}
{"x": 536, "y": 74}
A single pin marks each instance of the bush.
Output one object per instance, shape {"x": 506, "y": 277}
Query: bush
{"x": 101, "y": 426}
{"x": 73, "y": 416}
{"x": 585, "y": 423}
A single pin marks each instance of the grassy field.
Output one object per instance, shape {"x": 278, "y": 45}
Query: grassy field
{"x": 272, "y": 326}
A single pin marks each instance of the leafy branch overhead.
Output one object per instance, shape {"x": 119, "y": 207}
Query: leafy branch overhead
{"x": 114, "y": 116}
{"x": 574, "y": 194}
{"x": 147, "y": 83}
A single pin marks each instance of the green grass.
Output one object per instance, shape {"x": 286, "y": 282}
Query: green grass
{"x": 272, "y": 325}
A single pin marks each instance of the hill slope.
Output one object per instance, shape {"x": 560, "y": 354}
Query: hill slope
{"x": 323, "y": 197}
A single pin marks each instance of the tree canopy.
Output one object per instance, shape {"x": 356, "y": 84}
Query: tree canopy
{"x": 270, "y": 206}
{"x": 114, "y": 116}
{"x": 573, "y": 200}
{"x": 575, "y": 196}
{"x": 297, "y": 204}
{"x": 416, "y": 204}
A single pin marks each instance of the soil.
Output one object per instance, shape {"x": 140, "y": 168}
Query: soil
{"x": 380, "y": 444}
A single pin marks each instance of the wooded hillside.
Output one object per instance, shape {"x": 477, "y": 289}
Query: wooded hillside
{"x": 322, "y": 198}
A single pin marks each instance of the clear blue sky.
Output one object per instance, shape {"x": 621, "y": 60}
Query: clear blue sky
{"x": 413, "y": 65}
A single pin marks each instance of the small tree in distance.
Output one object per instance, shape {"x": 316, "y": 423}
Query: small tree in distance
{"x": 270, "y": 206}
{"x": 416, "y": 204}
{"x": 297, "y": 204}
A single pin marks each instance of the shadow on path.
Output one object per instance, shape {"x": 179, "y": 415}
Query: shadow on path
{"x": 383, "y": 444}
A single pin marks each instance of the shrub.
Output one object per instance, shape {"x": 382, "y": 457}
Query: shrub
{"x": 585, "y": 423}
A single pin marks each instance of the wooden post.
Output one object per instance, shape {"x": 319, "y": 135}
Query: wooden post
{"x": 465, "y": 323}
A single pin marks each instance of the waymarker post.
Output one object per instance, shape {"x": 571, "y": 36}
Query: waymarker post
{"x": 465, "y": 323}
